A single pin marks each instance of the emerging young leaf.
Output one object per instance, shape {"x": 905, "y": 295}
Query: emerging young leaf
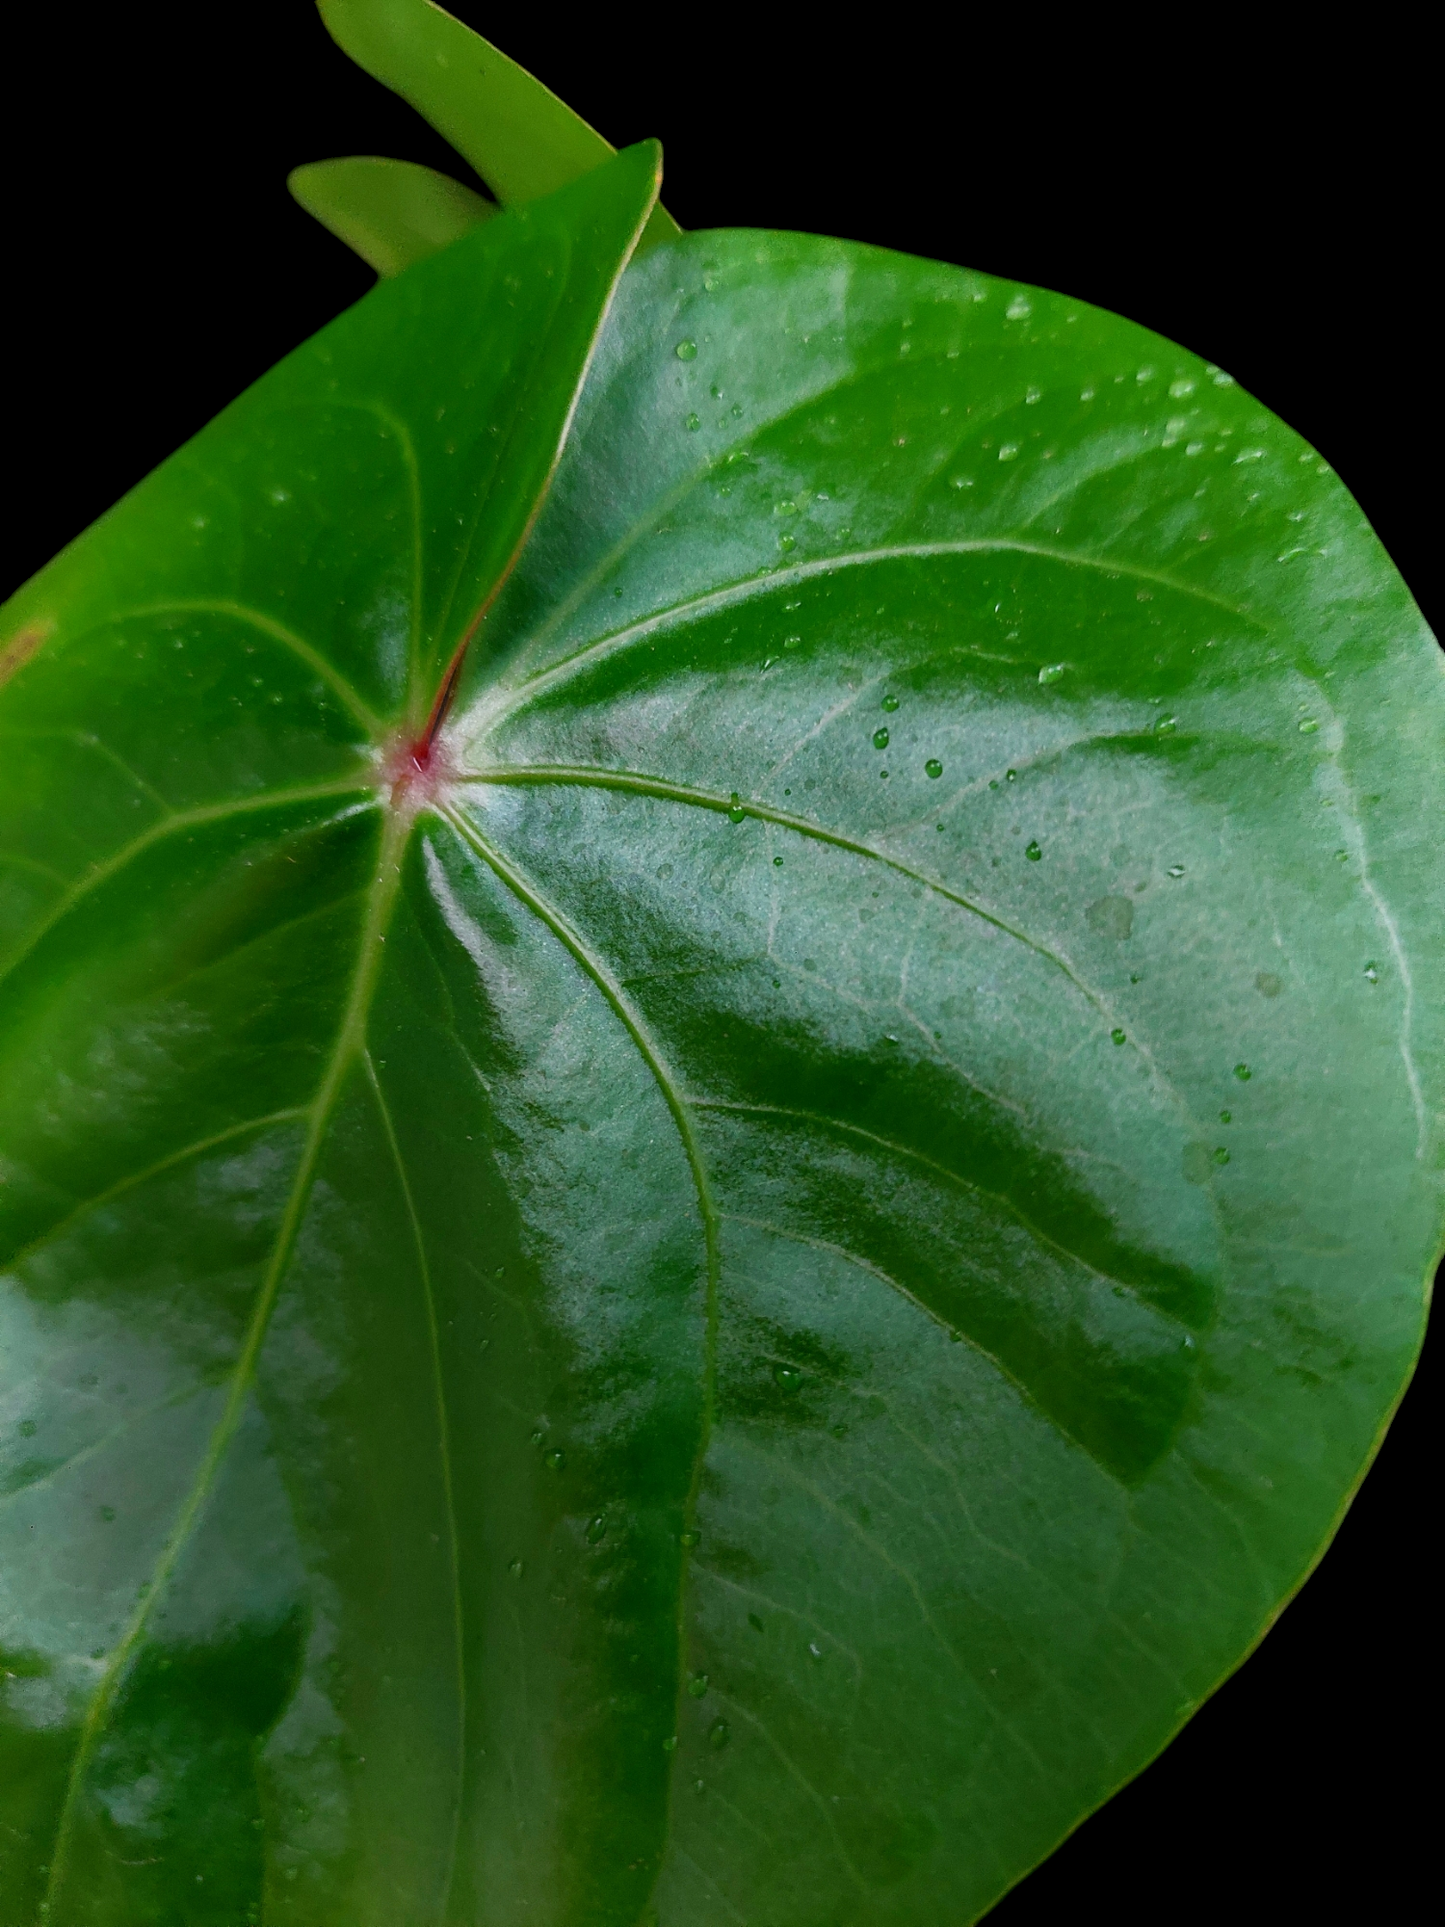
{"x": 392, "y": 213}
{"x": 705, "y": 1208}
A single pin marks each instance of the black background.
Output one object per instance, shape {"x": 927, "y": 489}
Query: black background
{"x": 1264, "y": 208}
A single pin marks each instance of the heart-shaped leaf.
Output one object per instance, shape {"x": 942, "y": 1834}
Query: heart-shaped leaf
{"x": 721, "y": 1281}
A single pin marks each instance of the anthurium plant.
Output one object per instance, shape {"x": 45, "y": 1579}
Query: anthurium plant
{"x": 722, "y": 1057}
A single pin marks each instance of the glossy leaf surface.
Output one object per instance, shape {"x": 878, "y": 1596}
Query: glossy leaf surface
{"x": 730, "y": 1303}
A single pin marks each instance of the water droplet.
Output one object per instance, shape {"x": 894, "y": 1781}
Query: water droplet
{"x": 537, "y": 1437}
{"x": 514, "y": 1571}
{"x": 933, "y": 768}
{"x": 1033, "y": 852}
{"x": 690, "y": 1537}
{"x": 1308, "y": 726}
{"x": 1008, "y": 451}
{"x": 1010, "y": 776}
{"x": 880, "y": 739}
{"x": 1179, "y": 389}
{"x": 736, "y": 812}
{"x": 697, "y": 1685}
{"x": 1243, "y": 1073}
{"x": 890, "y": 703}
{"x": 786, "y": 542}
{"x": 1033, "y": 395}
{"x": 955, "y": 1338}
{"x": 718, "y": 1735}
{"x": 1221, "y": 1156}
{"x": 961, "y": 481}
{"x": 1226, "y": 1117}
{"x": 1020, "y": 308}
{"x": 669, "y": 1745}
{"x": 777, "y": 863}
{"x": 1166, "y": 725}
{"x": 815, "y": 1650}
{"x": 1175, "y": 870}
{"x": 555, "y": 1460}
{"x": 1372, "y": 976}
{"x": 1118, "y": 1036}
{"x": 596, "y": 1530}
{"x": 686, "y": 351}
{"x": 694, "y": 422}
{"x": 788, "y": 1376}
{"x": 1052, "y": 672}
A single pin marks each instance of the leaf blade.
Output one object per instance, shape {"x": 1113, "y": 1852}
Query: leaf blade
{"x": 1000, "y": 1416}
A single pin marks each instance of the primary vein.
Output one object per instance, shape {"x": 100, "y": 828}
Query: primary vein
{"x": 349, "y": 1040}
{"x": 527, "y": 893}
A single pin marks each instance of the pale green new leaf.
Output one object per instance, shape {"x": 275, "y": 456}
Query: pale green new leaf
{"x": 519, "y": 137}
{"x": 391, "y": 213}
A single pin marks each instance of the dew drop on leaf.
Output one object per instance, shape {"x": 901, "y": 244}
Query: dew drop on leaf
{"x": 596, "y": 1529}
{"x": 718, "y": 1735}
{"x": 788, "y": 1376}
{"x": 890, "y": 703}
{"x": 697, "y": 1685}
{"x": 1052, "y": 672}
{"x": 1243, "y": 1073}
{"x": 555, "y": 1460}
{"x": 880, "y": 739}
{"x": 933, "y": 768}
{"x": 1372, "y": 973}
{"x": 1033, "y": 852}
{"x": 1118, "y": 1036}
{"x": 686, "y": 351}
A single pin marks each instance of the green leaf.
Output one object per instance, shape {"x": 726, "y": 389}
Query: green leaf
{"x": 520, "y": 138}
{"x": 391, "y": 213}
{"x": 728, "y": 1292}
